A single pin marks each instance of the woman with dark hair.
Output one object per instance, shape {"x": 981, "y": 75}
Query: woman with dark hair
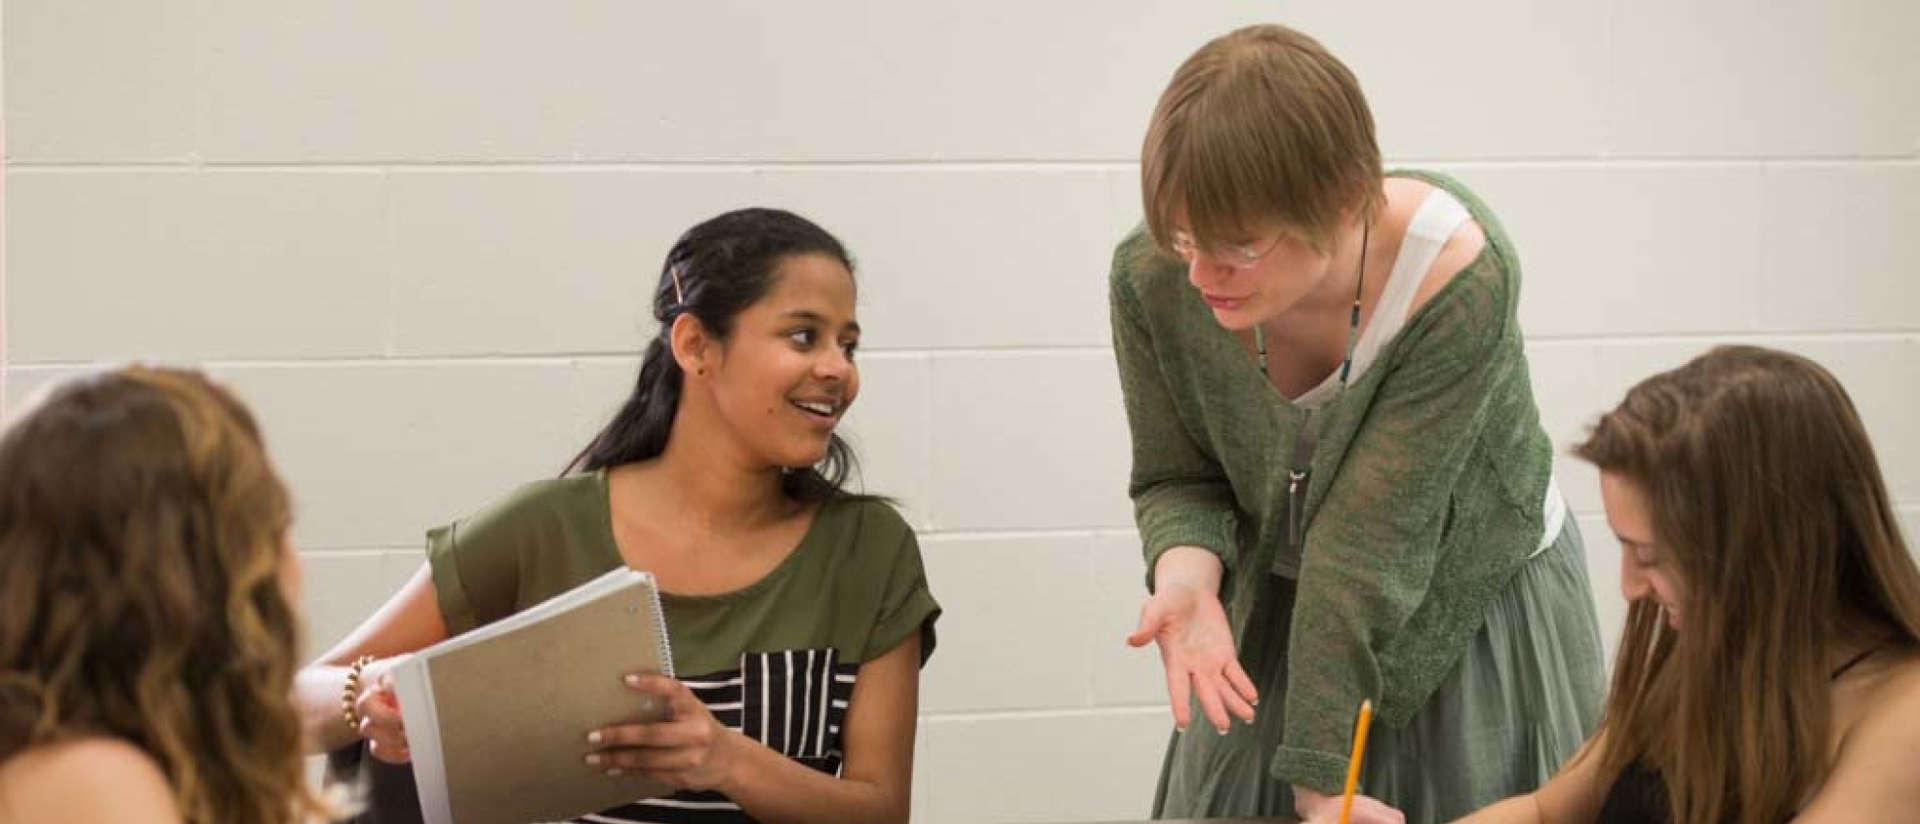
{"x": 722, "y": 476}
{"x": 1770, "y": 668}
{"x": 147, "y": 626}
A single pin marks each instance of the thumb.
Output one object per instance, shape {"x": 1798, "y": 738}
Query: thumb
{"x": 1152, "y": 618}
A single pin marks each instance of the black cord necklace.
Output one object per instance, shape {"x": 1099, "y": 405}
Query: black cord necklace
{"x": 1304, "y": 441}
{"x": 1353, "y": 317}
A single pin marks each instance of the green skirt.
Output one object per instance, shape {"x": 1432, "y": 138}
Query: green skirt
{"x": 1524, "y": 696}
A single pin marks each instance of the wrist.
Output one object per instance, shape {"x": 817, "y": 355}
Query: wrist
{"x": 1195, "y": 568}
{"x": 731, "y": 753}
{"x": 352, "y": 691}
{"x": 1307, "y": 800}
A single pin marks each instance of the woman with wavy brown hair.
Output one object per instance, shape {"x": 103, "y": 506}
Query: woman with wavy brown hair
{"x": 147, "y": 624}
{"x": 1770, "y": 668}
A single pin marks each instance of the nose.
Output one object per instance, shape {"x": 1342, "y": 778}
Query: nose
{"x": 1204, "y": 272}
{"x": 1633, "y": 582}
{"x": 834, "y": 365}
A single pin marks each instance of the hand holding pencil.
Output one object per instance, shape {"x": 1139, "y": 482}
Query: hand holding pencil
{"x": 1349, "y": 807}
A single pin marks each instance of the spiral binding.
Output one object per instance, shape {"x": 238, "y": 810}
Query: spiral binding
{"x": 660, "y": 625}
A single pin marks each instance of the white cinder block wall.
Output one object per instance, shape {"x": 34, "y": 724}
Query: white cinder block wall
{"x": 417, "y": 237}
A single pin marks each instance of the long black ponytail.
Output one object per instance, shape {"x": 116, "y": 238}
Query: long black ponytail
{"x": 714, "y": 271}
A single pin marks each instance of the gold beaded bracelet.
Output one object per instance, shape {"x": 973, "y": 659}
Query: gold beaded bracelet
{"x": 350, "y": 694}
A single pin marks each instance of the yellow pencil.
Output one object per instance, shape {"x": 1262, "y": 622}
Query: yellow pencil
{"x": 1359, "y": 752}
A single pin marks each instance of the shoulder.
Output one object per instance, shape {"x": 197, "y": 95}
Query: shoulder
{"x": 865, "y": 542}
{"x": 1470, "y": 247}
{"x": 1893, "y": 705}
{"x": 1876, "y": 767}
{"x": 534, "y": 506}
{"x": 1887, "y": 729}
{"x": 1134, "y": 251}
{"x": 544, "y": 533}
{"x": 869, "y": 522}
{"x": 92, "y": 779}
{"x": 1141, "y": 273}
{"x": 546, "y": 498}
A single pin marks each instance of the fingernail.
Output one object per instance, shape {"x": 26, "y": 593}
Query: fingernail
{"x": 613, "y": 772}
{"x": 633, "y": 680}
{"x": 593, "y": 737}
{"x": 1221, "y": 730}
{"x": 593, "y": 760}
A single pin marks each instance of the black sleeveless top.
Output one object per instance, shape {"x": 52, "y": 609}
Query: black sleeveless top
{"x": 1639, "y": 795}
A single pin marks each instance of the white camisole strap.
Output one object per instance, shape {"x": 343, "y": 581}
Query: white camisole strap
{"x": 1436, "y": 221}
{"x": 1438, "y": 217}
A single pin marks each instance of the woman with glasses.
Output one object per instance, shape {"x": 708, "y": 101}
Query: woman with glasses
{"x": 1339, "y": 474}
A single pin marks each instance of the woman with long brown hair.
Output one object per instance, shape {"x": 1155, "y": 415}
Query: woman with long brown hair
{"x": 147, "y": 624}
{"x": 1770, "y": 668}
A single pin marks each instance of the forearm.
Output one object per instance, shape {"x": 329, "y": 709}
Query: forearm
{"x": 1520, "y": 809}
{"x": 1321, "y": 701}
{"x": 316, "y": 696}
{"x": 778, "y": 790}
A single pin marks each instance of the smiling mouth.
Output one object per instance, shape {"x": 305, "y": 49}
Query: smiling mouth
{"x": 825, "y": 410}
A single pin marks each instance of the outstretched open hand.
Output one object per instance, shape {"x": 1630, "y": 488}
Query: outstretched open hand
{"x": 1196, "y": 647}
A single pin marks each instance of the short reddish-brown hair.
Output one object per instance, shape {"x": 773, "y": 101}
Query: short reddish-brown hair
{"x": 1260, "y": 126}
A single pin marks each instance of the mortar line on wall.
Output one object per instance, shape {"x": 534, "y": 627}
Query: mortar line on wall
{"x": 945, "y": 165}
{"x": 625, "y": 357}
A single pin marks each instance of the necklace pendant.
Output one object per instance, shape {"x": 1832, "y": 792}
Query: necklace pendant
{"x": 1295, "y": 479}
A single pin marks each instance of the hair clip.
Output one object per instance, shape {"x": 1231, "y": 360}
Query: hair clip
{"x": 679, "y": 295}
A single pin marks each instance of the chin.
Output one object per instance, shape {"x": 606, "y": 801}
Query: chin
{"x": 804, "y": 458}
{"x": 1234, "y": 320}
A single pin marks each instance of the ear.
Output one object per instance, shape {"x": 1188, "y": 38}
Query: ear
{"x": 692, "y": 346}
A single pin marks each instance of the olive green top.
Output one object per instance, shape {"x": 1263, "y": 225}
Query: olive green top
{"x": 1425, "y": 492}
{"x": 855, "y": 583}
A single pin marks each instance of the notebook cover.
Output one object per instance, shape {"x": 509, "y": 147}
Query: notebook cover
{"x": 514, "y": 711}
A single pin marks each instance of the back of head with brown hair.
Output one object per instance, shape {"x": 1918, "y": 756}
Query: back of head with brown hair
{"x": 1764, "y": 492}
{"x": 1261, "y": 125}
{"x": 142, "y": 546}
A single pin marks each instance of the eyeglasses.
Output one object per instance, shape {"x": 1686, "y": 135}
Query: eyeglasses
{"x": 1238, "y": 256}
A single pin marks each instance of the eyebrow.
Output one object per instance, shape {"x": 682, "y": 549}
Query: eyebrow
{"x": 1633, "y": 543}
{"x": 816, "y": 317}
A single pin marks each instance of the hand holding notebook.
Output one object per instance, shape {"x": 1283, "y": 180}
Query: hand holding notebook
{"x": 497, "y": 719}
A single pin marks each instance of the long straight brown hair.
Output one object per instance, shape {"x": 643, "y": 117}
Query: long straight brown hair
{"x": 1764, "y": 492}
{"x": 143, "y": 590}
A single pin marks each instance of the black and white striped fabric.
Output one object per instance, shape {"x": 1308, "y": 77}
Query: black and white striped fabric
{"x": 794, "y": 702}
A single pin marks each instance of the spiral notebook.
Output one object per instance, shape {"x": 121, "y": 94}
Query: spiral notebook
{"x": 498, "y": 717}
